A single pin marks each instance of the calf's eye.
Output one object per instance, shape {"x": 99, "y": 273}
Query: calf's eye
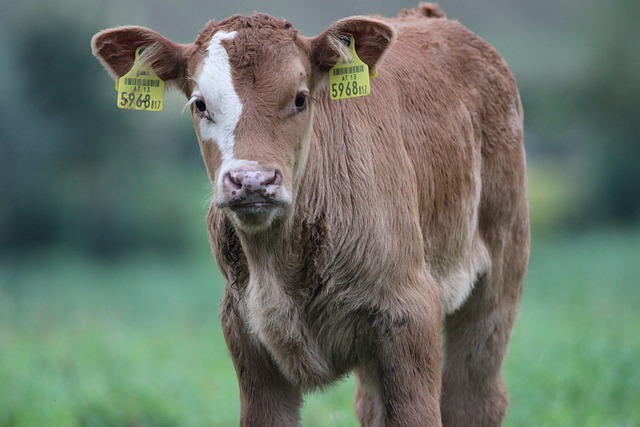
{"x": 301, "y": 102}
{"x": 200, "y": 105}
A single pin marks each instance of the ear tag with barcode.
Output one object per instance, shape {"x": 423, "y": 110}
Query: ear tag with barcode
{"x": 140, "y": 88}
{"x": 349, "y": 79}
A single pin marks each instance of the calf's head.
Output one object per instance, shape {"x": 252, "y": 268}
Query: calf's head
{"x": 250, "y": 82}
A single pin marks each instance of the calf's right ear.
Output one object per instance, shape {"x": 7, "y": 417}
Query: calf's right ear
{"x": 372, "y": 38}
{"x": 116, "y": 48}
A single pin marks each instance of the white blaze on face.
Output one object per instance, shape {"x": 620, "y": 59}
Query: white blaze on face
{"x": 216, "y": 86}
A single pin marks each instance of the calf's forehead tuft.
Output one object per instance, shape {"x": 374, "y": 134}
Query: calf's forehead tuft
{"x": 259, "y": 37}
{"x": 258, "y": 21}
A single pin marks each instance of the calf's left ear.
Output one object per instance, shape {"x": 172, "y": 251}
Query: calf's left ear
{"x": 372, "y": 38}
{"x": 116, "y": 49}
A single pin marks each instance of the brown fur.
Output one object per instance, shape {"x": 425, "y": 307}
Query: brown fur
{"x": 409, "y": 209}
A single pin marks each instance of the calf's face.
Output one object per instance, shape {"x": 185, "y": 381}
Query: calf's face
{"x": 250, "y": 84}
{"x": 253, "y": 120}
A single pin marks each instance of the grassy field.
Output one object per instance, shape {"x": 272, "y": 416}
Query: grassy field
{"x": 136, "y": 342}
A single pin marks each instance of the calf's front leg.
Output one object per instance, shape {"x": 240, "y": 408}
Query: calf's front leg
{"x": 266, "y": 397}
{"x": 399, "y": 382}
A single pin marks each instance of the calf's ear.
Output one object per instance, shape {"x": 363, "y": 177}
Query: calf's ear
{"x": 116, "y": 48}
{"x": 372, "y": 38}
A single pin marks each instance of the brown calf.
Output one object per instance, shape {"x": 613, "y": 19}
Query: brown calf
{"x": 349, "y": 231}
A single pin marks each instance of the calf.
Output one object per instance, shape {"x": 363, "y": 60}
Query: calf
{"x": 349, "y": 231}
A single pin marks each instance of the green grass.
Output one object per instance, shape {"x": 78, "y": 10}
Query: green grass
{"x": 575, "y": 353}
{"x": 136, "y": 342}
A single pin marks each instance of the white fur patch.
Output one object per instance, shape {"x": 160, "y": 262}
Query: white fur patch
{"x": 457, "y": 286}
{"x": 215, "y": 83}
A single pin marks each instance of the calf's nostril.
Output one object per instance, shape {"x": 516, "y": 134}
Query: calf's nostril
{"x": 233, "y": 181}
{"x": 276, "y": 179}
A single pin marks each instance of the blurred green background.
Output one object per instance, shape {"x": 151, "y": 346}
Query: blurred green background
{"x": 108, "y": 291}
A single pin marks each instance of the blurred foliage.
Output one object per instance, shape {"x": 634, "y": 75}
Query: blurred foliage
{"x": 585, "y": 123}
{"x": 76, "y": 171}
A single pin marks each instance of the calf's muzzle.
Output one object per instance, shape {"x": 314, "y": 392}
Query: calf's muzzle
{"x": 252, "y": 186}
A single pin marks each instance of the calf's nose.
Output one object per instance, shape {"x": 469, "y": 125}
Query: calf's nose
{"x": 249, "y": 186}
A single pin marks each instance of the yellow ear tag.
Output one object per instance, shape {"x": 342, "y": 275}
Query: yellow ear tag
{"x": 349, "y": 79}
{"x": 140, "y": 88}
